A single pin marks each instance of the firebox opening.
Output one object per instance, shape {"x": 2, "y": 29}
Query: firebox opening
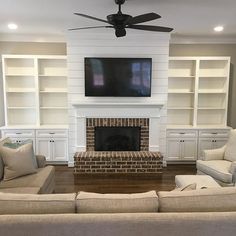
{"x": 117, "y": 138}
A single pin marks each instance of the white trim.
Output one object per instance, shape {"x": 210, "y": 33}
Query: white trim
{"x": 216, "y": 39}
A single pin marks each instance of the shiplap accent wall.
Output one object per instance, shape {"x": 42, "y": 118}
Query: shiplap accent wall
{"x": 150, "y": 45}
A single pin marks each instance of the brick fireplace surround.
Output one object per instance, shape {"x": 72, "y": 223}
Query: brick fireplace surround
{"x": 142, "y": 161}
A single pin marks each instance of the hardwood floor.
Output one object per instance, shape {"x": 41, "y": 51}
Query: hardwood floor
{"x": 67, "y": 182}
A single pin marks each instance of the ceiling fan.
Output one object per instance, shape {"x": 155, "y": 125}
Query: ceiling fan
{"x": 120, "y": 22}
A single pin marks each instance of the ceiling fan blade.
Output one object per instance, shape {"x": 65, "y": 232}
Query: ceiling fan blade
{"x": 150, "y": 28}
{"x": 91, "y": 17}
{"x": 92, "y": 27}
{"x": 143, "y": 18}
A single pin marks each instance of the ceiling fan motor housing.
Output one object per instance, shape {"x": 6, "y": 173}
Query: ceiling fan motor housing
{"x": 118, "y": 19}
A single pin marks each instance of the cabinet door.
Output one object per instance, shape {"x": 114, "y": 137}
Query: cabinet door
{"x": 220, "y": 143}
{"x": 19, "y": 140}
{"x": 43, "y": 147}
{"x": 189, "y": 149}
{"x": 59, "y": 149}
{"x": 173, "y": 149}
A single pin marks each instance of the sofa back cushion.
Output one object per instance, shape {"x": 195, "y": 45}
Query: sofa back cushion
{"x": 11, "y": 203}
{"x": 2, "y": 141}
{"x": 202, "y": 200}
{"x": 117, "y": 203}
{"x": 230, "y": 150}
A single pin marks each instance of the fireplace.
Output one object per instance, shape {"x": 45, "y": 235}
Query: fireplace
{"x": 117, "y": 138}
{"x": 136, "y": 130}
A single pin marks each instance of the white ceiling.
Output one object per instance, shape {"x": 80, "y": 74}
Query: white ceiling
{"x": 52, "y": 18}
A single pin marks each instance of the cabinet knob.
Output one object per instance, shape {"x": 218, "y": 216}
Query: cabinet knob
{"x": 181, "y": 133}
{"x": 51, "y": 133}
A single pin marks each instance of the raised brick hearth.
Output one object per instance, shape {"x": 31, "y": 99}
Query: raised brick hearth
{"x": 118, "y": 162}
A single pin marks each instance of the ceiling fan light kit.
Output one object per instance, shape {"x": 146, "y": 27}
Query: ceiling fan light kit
{"x": 120, "y": 22}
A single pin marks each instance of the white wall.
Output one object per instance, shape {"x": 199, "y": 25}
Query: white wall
{"x": 151, "y": 45}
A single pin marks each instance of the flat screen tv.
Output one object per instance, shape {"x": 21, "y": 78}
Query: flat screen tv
{"x": 118, "y": 77}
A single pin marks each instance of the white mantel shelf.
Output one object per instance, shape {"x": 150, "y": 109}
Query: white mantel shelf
{"x": 124, "y": 104}
{"x": 118, "y": 109}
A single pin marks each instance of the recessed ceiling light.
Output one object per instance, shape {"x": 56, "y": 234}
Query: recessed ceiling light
{"x": 12, "y": 26}
{"x": 219, "y": 28}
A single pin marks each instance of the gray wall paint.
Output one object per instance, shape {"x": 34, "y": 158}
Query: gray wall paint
{"x": 26, "y": 48}
{"x": 214, "y": 50}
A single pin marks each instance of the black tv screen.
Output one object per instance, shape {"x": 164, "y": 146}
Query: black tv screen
{"x": 118, "y": 77}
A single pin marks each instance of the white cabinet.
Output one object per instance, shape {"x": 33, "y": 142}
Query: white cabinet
{"x": 211, "y": 139}
{"x": 198, "y": 91}
{"x": 188, "y": 144}
{"x": 20, "y": 135}
{"x": 53, "y": 144}
{"x": 181, "y": 145}
{"x": 35, "y": 90}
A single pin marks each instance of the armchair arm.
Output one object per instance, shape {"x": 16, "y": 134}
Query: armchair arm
{"x": 214, "y": 154}
{"x": 41, "y": 161}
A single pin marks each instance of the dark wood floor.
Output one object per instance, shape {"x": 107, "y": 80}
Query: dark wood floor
{"x": 67, "y": 182}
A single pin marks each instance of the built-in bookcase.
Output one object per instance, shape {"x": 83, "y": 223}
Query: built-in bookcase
{"x": 35, "y": 90}
{"x": 198, "y": 91}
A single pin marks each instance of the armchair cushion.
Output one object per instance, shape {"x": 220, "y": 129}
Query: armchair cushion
{"x": 214, "y": 154}
{"x": 218, "y": 169}
{"x": 230, "y": 151}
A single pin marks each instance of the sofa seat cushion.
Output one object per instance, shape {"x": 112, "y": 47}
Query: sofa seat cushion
{"x": 11, "y": 203}
{"x": 201, "y": 200}
{"x": 219, "y": 169}
{"x": 41, "y": 179}
{"x": 117, "y": 203}
{"x": 28, "y": 190}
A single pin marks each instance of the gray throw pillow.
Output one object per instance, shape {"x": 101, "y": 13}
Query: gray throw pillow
{"x": 15, "y": 145}
{"x": 18, "y": 161}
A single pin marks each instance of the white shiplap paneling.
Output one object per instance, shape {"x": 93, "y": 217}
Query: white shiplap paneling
{"x": 150, "y": 45}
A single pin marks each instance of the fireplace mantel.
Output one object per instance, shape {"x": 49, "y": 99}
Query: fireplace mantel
{"x": 150, "y": 110}
{"x": 118, "y": 110}
{"x": 123, "y": 104}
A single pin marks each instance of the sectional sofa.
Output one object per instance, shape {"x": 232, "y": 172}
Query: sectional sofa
{"x": 186, "y": 213}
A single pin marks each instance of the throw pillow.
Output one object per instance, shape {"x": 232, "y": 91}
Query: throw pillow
{"x": 15, "y": 145}
{"x": 2, "y": 141}
{"x": 18, "y": 162}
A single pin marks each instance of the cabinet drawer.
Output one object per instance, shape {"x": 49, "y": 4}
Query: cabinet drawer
{"x": 181, "y": 133}
{"x": 51, "y": 133}
{"x": 18, "y": 133}
{"x": 214, "y": 133}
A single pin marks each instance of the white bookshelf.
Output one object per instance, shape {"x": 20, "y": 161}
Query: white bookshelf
{"x": 198, "y": 91}
{"x": 35, "y": 97}
{"x": 35, "y": 90}
{"x": 197, "y": 104}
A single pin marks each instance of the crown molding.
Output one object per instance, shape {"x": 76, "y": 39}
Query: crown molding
{"x": 215, "y": 39}
{"x": 59, "y": 38}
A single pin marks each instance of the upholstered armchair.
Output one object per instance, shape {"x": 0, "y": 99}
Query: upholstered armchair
{"x": 220, "y": 163}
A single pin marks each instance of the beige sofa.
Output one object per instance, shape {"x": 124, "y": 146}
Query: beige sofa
{"x": 189, "y": 213}
{"x": 41, "y": 182}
